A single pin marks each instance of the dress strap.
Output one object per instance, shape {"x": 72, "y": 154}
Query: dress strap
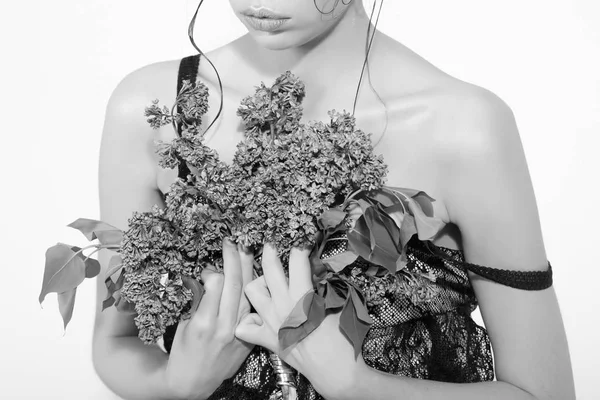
{"x": 188, "y": 69}
{"x": 525, "y": 280}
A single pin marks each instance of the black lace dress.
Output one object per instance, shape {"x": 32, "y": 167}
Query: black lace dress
{"x": 422, "y": 329}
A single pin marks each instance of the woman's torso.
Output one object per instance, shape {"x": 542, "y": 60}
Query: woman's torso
{"x": 422, "y": 329}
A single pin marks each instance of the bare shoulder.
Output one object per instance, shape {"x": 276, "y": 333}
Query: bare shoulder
{"x": 462, "y": 118}
{"x": 127, "y": 136}
{"x": 142, "y": 85}
{"x": 474, "y": 129}
{"x": 474, "y": 117}
{"x": 125, "y": 122}
{"x": 458, "y": 113}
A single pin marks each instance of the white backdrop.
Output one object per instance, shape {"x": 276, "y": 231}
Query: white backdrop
{"x": 541, "y": 56}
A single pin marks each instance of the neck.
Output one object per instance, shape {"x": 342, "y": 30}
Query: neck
{"x": 338, "y": 52}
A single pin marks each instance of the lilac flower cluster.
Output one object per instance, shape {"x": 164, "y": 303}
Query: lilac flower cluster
{"x": 285, "y": 181}
{"x": 287, "y": 173}
{"x": 158, "y": 249}
{"x": 284, "y": 175}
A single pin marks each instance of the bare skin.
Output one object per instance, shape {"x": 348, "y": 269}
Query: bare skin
{"x": 456, "y": 141}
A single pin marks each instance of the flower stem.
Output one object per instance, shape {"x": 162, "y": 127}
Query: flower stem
{"x": 97, "y": 246}
{"x": 352, "y": 195}
{"x": 92, "y": 253}
{"x": 395, "y": 194}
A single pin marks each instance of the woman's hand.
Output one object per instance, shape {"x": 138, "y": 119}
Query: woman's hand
{"x": 325, "y": 356}
{"x": 205, "y": 350}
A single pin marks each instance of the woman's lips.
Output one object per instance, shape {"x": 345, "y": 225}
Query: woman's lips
{"x": 265, "y": 24}
{"x": 264, "y": 19}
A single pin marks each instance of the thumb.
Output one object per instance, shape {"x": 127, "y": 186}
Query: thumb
{"x": 251, "y": 329}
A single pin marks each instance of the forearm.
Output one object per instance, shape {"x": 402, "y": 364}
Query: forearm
{"x": 131, "y": 369}
{"x": 375, "y": 385}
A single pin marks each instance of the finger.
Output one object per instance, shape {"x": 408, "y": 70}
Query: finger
{"x": 253, "y": 330}
{"x": 247, "y": 260}
{"x": 258, "y": 294}
{"x": 181, "y": 325}
{"x": 213, "y": 287}
{"x": 300, "y": 273}
{"x": 232, "y": 285}
{"x": 250, "y": 329}
{"x": 247, "y": 263}
{"x": 273, "y": 273}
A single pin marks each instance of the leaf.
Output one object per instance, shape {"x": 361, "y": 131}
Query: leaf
{"x": 305, "y": 317}
{"x": 384, "y": 249}
{"x": 384, "y": 197}
{"x": 124, "y": 306}
{"x": 318, "y": 268}
{"x": 389, "y": 224}
{"x": 427, "y": 227}
{"x": 66, "y": 303}
{"x": 197, "y": 292}
{"x": 89, "y": 227}
{"x": 396, "y": 213}
{"x": 111, "y": 289}
{"x": 340, "y": 261}
{"x": 407, "y": 230}
{"x": 359, "y": 305}
{"x": 376, "y": 270}
{"x": 121, "y": 304}
{"x": 92, "y": 266}
{"x": 352, "y": 325}
{"x": 109, "y": 237}
{"x": 364, "y": 204}
{"x": 410, "y": 192}
{"x": 114, "y": 264}
{"x": 423, "y": 199}
{"x": 359, "y": 241}
{"x": 109, "y": 301}
{"x": 359, "y": 238}
{"x": 64, "y": 270}
{"x": 402, "y": 261}
{"x": 331, "y": 219}
{"x": 333, "y": 298}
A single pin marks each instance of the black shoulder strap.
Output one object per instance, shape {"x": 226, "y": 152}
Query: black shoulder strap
{"x": 188, "y": 69}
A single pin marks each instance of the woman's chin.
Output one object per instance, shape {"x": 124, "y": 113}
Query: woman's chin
{"x": 275, "y": 40}
{"x": 284, "y": 39}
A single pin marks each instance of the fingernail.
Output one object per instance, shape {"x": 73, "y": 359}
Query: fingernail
{"x": 243, "y": 249}
{"x": 211, "y": 268}
{"x": 307, "y": 247}
{"x": 229, "y": 243}
{"x": 270, "y": 246}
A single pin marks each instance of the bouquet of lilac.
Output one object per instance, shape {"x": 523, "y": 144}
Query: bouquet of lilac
{"x": 290, "y": 183}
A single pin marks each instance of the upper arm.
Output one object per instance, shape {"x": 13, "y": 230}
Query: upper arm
{"x": 490, "y": 197}
{"x": 127, "y": 171}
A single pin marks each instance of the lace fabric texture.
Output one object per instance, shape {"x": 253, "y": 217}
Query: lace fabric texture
{"x": 422, "y": 329}
{"x": 422, "y": 322}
